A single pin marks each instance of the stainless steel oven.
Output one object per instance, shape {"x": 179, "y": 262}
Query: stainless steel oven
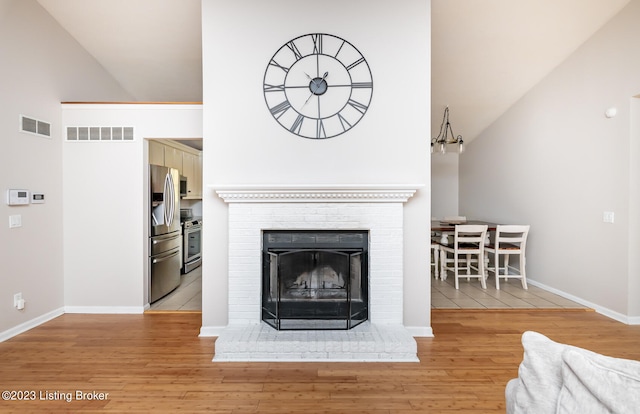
{"x": 191, "y": 244}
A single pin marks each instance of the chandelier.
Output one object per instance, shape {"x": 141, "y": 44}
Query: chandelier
{"x": 446, "y": 136}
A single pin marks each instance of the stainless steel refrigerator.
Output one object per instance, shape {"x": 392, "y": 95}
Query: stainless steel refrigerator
{"x": 165, "y": 235}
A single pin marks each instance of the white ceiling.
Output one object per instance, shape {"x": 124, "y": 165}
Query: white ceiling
{"x": 153, "y": 48}
{"x": 486, "y": 54}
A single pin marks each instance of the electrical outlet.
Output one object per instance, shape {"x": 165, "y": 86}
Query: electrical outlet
{"x": 608, "y": 217}
{"x": 16, "y": 299}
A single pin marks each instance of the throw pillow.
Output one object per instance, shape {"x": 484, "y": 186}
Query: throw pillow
{"x": 596, "y": 384}
{"x": 540, "y": 374}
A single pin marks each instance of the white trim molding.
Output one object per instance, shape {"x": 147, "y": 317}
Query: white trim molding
{"x": 24, "y": 327}
{"x": 320, "y": 193}
{"x": 108, "y": 310}
{"x": 609, "y": 313}
{"x": 420, "y": 331}
{"x": 211, "y": 331}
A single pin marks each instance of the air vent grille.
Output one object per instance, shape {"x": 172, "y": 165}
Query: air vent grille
{"x": 35, "y": 126}
{"x": 99, "y": 134}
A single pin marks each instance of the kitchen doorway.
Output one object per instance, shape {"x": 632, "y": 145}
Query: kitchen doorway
{"x": 184, "y": 155}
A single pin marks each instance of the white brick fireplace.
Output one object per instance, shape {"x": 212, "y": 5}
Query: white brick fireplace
{"x": 375, "y": 208}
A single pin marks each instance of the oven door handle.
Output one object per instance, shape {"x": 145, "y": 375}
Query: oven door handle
{"x": 192, "y": 229}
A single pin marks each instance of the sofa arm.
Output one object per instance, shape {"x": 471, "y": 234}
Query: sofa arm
{"x": 510, "y": 395}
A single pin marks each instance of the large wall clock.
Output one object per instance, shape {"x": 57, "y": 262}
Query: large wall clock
{"x": 318, "y": 86}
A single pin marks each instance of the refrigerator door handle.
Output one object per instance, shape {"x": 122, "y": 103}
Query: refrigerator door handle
{"x": 167, "y": 199}
{"x": 172, "y": 189}
{"x": 161, "y": 239}
{"x": 163, "y": 258}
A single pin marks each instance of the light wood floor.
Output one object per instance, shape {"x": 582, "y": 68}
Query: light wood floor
{"x": 156, "y": 363}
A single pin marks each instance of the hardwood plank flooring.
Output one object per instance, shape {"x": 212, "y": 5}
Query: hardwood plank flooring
{"x": 156, "y": 363}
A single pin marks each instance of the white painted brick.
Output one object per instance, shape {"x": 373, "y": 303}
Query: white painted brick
{"x": 383, "y": 220}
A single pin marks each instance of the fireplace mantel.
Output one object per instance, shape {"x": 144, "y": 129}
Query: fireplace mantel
{"x": 320, "y": 193}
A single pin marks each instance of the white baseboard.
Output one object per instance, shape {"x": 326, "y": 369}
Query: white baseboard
{"x": 420, "y": 331}
{"x": 629, "y": 320}
{"x": 209, "y": 331}
{"x": 23, "y": 327}
{"x": 105, "y": 309}
{"x": 634, "y": 320}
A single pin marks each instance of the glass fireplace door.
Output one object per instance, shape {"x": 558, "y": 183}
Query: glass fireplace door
{"x": 313, "y": 289}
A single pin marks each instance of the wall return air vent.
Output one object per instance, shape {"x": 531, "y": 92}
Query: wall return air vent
{"x": 35, "y": 126}
{"x": 99, "y": 134}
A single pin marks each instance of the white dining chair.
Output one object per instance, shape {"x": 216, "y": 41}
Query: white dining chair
{"x": 510, "y": 240}
{"x": 435, "y": 252}
{"x": 445, "y": 235}
{"x": 465, "y": 253}
{"x": 435, "y": 256}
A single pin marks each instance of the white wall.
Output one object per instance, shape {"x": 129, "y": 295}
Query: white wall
{"x": 244, "y": 145}
{"x": 634, "y": 212}
{"x": 105, "y": 203}
{"x": 554, "y": 161}
{"x": 41, "y": 65}
{"x": 444, "y": 184}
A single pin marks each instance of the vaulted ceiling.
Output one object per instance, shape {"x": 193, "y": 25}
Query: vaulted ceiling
{"x": 153, "y": 48}
{"x": 486, "y": 54}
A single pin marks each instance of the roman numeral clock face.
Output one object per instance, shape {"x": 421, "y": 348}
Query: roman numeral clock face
{"x": 318, "y": 86}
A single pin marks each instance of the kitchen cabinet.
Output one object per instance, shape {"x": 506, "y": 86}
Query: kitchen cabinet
{"x": 192, "y": 169}
{"x": 173, "y": 158}
{"x": 156, "y": 153}
{"x": 187, "y": 160}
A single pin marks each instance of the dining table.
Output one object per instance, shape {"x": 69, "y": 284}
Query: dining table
{"x": 450, "y": 226}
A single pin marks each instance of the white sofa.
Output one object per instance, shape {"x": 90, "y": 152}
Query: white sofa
{"x": 564, "y": 379}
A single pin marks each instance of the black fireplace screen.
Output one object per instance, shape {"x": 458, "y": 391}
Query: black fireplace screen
{"x": 314, "y": 280}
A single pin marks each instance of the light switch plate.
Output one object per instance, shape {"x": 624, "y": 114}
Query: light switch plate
{"x": 15, "y": 221}
{"x": 608, "y": 217}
